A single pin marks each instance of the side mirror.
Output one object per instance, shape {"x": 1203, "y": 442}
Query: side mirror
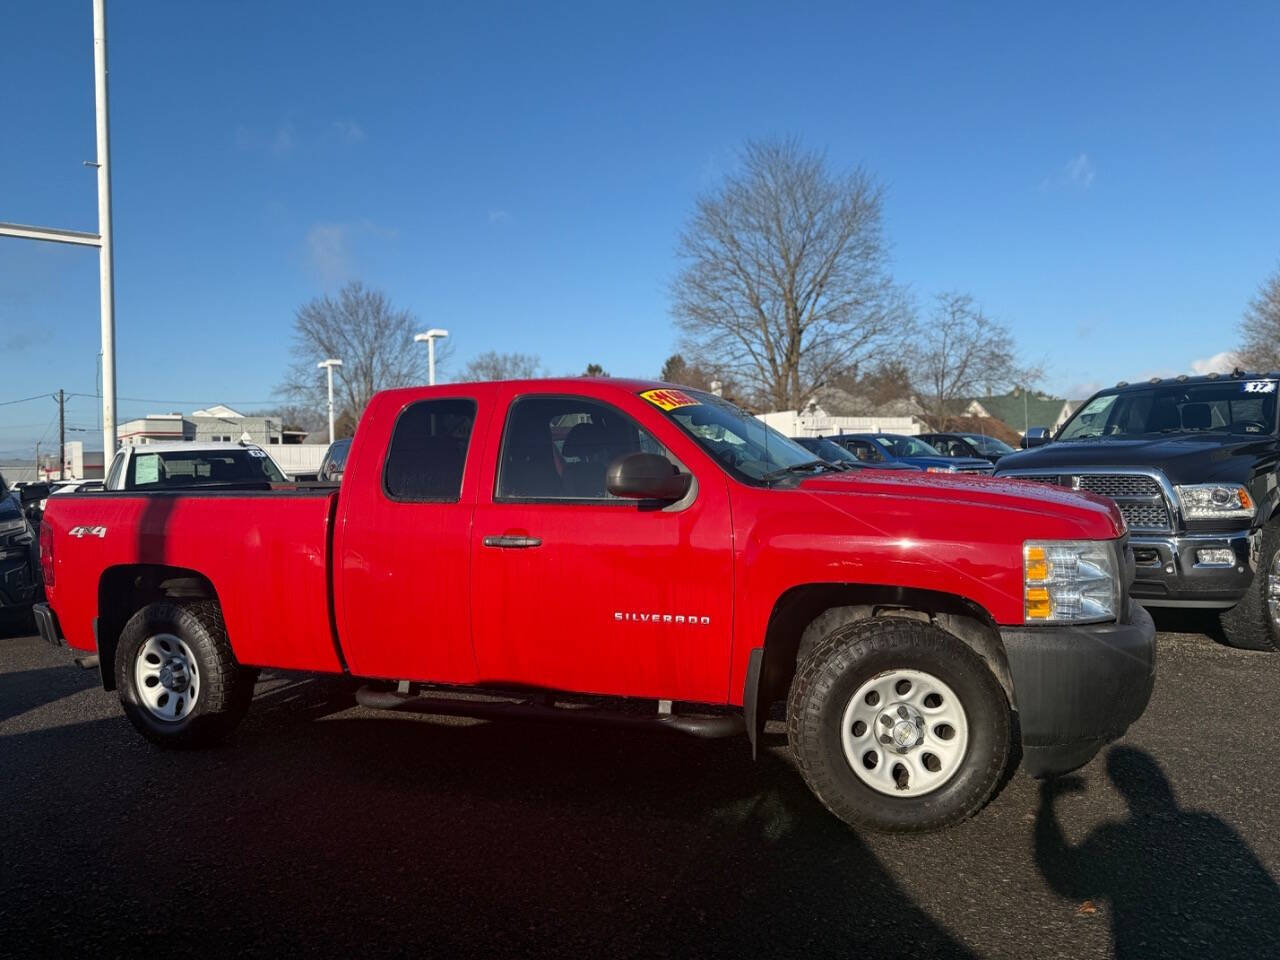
{"x": 1036, "y": 437}
{"x": 646, "y": 476}
{"x": 33, "y": 492}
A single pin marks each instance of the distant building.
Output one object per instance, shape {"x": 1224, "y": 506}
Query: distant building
{"x": 218, "y": 422}
{"x": 833, "y": 411}
{"x": 1021, "y": 409}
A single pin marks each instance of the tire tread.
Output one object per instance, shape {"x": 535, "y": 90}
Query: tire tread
{"x": 817, "y": 674}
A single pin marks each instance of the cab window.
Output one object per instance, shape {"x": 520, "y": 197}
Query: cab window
{"x": 560, "y": 448}
{"x": 428, "y": 451}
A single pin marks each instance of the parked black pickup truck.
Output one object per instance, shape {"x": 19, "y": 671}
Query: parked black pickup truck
{"x": 19, "y": 583}
{"x": 1192, "y": 464}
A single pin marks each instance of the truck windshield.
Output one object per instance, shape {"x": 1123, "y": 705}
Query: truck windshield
{"x": 747, "y": 447}
{"x": 1226, "y": 406}
{"x": 901, "y": 446}
{"x": 187, "y": 468}
{"x": 988, "y": 446}
{"x": 828, "y": 450}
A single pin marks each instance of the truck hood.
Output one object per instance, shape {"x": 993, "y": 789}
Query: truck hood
{"x": 1030, "y": 510}
{"x": 1183, "y": 458}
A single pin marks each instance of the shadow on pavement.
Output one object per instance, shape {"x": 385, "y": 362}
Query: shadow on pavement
{"x": 28, "y": 689}
{"x": 323, "y": 833}
{"x": 1189, "y": 620}
{"x": 1180, "y": 883}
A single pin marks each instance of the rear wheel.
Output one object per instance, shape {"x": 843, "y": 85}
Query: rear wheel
{"x": 179, "y": 682}
{"x": 898, "y": 725}
{"x": 1254, "y": 623}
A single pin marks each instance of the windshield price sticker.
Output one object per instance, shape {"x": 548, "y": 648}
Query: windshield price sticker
{"x": 671, "y": 399}
{"x": 1259, "y": 386}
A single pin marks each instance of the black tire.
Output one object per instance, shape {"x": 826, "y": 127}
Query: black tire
{"x": 225, "y": 689}
{"x": 1248, "y": 624}
{"x": 858, "y": 651}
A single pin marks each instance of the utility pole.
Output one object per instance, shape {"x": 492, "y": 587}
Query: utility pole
{"x": 62, "y": 435}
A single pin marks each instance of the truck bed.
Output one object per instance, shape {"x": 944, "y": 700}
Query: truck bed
{"x": 277, "y": 538}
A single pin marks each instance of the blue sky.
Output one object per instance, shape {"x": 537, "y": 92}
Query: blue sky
{"x": 1101, "y": 178}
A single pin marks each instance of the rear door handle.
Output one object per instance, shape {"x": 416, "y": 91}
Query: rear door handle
{"x": 513, "y": 542}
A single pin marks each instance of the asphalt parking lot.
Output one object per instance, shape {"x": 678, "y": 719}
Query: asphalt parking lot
{"x": 332, "y": 830}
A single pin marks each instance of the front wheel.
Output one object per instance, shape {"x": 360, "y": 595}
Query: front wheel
{"x": 1254, "y": 622}
{"x": 897, "y": 725}
{"x": 179, "y": 682}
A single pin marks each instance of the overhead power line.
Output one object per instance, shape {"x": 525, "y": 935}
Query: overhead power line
{"x": 38, "y": 396}
{"x": 243, "y": 403}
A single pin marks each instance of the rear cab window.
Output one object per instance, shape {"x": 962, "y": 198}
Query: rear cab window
{"x": 428, "y": 452}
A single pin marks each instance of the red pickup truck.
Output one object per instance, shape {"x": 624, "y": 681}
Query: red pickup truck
{"x": 575, "y": 548}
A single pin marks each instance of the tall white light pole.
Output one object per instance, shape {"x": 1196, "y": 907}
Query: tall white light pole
{"x": 430, "y": 338}
{"x": 106, "y": 265}
{"x": 329, "y": 365}
{"x": 101, "y": 239}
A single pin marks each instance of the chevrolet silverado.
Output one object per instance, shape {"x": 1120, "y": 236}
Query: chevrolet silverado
{"x": 605, "y": 548}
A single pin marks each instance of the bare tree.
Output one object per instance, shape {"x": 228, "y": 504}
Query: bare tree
{"x": 676, "y": 370}
{"x": 785, "y": 283}
{"x": 879, "y": 383}
{"x": 1260, "y": 328}
{"x": 492, "y": 365}
{"x": 372, "y": 338}
{"x": 960, "y": 353}
{"x": 294, "y": 417}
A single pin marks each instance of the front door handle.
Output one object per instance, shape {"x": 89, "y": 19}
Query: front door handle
{"x": 513, "y": 542}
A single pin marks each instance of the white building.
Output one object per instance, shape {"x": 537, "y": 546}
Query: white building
{"x": 816, "y": 422}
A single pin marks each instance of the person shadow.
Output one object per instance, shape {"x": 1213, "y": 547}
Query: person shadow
{"x": 1180, "y": 883}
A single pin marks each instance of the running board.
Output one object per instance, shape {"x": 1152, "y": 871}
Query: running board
{"x": 697, "y": 725}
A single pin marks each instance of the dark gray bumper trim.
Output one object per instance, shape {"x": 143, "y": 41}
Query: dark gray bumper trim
{"x": 1080, "y": 685}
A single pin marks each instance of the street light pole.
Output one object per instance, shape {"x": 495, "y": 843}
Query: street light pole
{"x": 328, "y": 365}
{"x": 430, "y": 338}
{"x": 106, "y": 263}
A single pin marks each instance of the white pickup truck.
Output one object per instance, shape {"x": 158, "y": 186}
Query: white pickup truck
{"x": 176, "y": 465}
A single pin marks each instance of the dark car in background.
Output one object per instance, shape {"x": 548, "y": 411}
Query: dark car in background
{"x": 968, "y": 445}
{"x": 1193, "y": 463}
{"x": 335, "y": 461}
{"x": 19, "y": 583}
{"x": 838, "y": 456}
{"x": 878, "y": 449}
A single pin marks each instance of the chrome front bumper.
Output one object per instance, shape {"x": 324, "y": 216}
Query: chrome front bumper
{"x": 1168, "y": 573}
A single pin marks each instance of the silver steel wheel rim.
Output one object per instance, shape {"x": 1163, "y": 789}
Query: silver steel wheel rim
{"x": 1273, "y": 591}
{"x": 166, "y": 677}
{"x": 904, "y": 733}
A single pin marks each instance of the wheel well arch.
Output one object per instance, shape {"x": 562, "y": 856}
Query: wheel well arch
{"x": 801, "y": 606}
{"x": 124, "y": 590}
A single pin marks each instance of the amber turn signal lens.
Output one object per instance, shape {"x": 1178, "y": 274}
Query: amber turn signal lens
{"x": 1038, "y": 606}
{"x": 1037, "y": 567}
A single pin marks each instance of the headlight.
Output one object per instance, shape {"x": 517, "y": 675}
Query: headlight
{"x": 12, "y": 526}
{"x": 1069, "y": 581}
{"x": 1214, "y": 501}
{"x": 939, "y": 470}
